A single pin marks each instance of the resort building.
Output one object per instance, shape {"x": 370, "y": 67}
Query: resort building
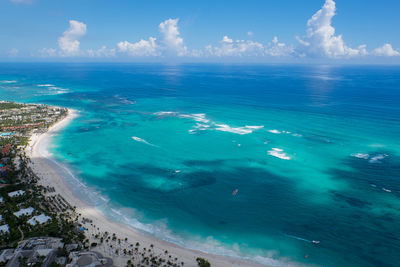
{"x": 88, "y": 258}
{"x": 4, "y": 229}
{"x": 6, "y": 255}
{"x": 36, "y": 251}
{"x": 16, "y": 193}
{"x": 42, "y": 218}
{"x": 27, "y": 211}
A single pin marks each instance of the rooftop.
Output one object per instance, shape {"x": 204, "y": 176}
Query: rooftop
{"x": 16, "y": 193}
{"x": 27, "y": 211}
{"x": 42, "y": 218}
{"x": 4, "y": 228}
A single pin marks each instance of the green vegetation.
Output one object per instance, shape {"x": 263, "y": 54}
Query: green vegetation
{"x": 202, "y": 262}
{"x": 24, "y": 118}
{"x": 9, "y": 105}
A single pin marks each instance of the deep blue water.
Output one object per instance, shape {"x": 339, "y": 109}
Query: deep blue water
{"x": 312, "y": 152}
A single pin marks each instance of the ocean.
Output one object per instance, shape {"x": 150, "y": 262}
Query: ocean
{"x": 283, "y": 165}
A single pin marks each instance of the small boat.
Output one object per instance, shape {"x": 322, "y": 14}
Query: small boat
{"x": 316, "y": 241}
{"x": 235, "y": 192}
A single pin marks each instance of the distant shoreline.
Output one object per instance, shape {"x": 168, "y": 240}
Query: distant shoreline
{"x": 51, "y": 174}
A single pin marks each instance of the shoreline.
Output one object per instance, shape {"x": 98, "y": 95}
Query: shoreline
{"x": 50, "y": 173}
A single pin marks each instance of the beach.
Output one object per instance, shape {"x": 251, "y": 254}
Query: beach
{"x": 51, "y": 173}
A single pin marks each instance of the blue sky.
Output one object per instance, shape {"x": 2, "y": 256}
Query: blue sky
{"x": 245, "y": 31}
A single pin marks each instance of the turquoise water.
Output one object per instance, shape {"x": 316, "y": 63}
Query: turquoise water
{"x": 249, "y": 161}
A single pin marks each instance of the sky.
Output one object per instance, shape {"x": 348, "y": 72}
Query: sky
{"x": 356, "y": 31}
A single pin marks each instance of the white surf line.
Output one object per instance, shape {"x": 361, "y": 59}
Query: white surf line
{"x": 278, "y": 153}
{"x": 8, "y": 81}
{"x": 203, "y": 123}
{"x": 138, "y": 139}
{"x": 237, "y": 130}
{"x": 45, "y": 85}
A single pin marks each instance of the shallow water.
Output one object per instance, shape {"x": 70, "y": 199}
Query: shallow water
{"x": 253, "y": 161}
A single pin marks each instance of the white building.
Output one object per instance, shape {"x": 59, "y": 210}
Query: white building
{"x": 1, "y": 199}
{"x": 6, "y": 255}
{"x": 4, "y": 229}
{"x": 16, "y": 193}
{"x": 42, "y": 218}
{"x": 27, "y": 211}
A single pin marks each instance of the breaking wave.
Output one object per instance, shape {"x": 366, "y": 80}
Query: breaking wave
{"x": 278, "y": 153}
{"x": 371, "y": 159}
{"x": 8, "y": 81}
{"x": 203, "y": 123}
{"x": 45, "y": 85}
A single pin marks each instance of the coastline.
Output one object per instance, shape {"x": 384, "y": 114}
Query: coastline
{"x": 51, "y": 174}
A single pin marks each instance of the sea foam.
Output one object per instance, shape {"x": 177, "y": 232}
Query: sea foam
{"x": 275, "y": 131}
{"x": 138, "y": 139}
{"x": 372, "y": 159}
{"x": 45, "y": 85}
{"x": 8, "y": 81}
{"x": 124, "y": 100}
{"x": 278, "y": 153}
{"x": 361, "y": 155}
{"x": 203, "y": 123}
{"x": 237, "y": 130}
{"x": 377, "y": 158}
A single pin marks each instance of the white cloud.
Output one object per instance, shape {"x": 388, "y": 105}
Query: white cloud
{"x": 21, "y": 1}
{"x": 362, "y": 50}
{"x": 13, "y": 52}
{"x": 386, "y": 50}
{"x": 70, "y": 46}
{"x": 320, "y": 39}
{"x": 277, "y": 49}
{"x": 196, "y": 53}
{"x": 69, "y": 41}
{"x": 238, "y": 48}
{"x": 171, "y": 37}
{"x": 248, "y": 48}
{"x": 47, "y": 52}
{"x": 101, "y": 52}
{"x": 170, "y": 43}
{"x": 226, "y": 40}
{"x": 141, "y": 48}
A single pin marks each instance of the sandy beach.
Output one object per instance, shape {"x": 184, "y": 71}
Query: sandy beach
{"x": 51, "y": 174}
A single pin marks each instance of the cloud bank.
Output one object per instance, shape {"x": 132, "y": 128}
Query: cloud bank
{"x": 386, "y": 50}
{"x": 69, "y": 41}
{"x": 21, "y": 1}
{"x": 141, "y": 48}
{"x": 171, "y": 37}
{"x": 170, "y": 43}
{"x": 319, "y": 41}
{"x": 13, "y": 52}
